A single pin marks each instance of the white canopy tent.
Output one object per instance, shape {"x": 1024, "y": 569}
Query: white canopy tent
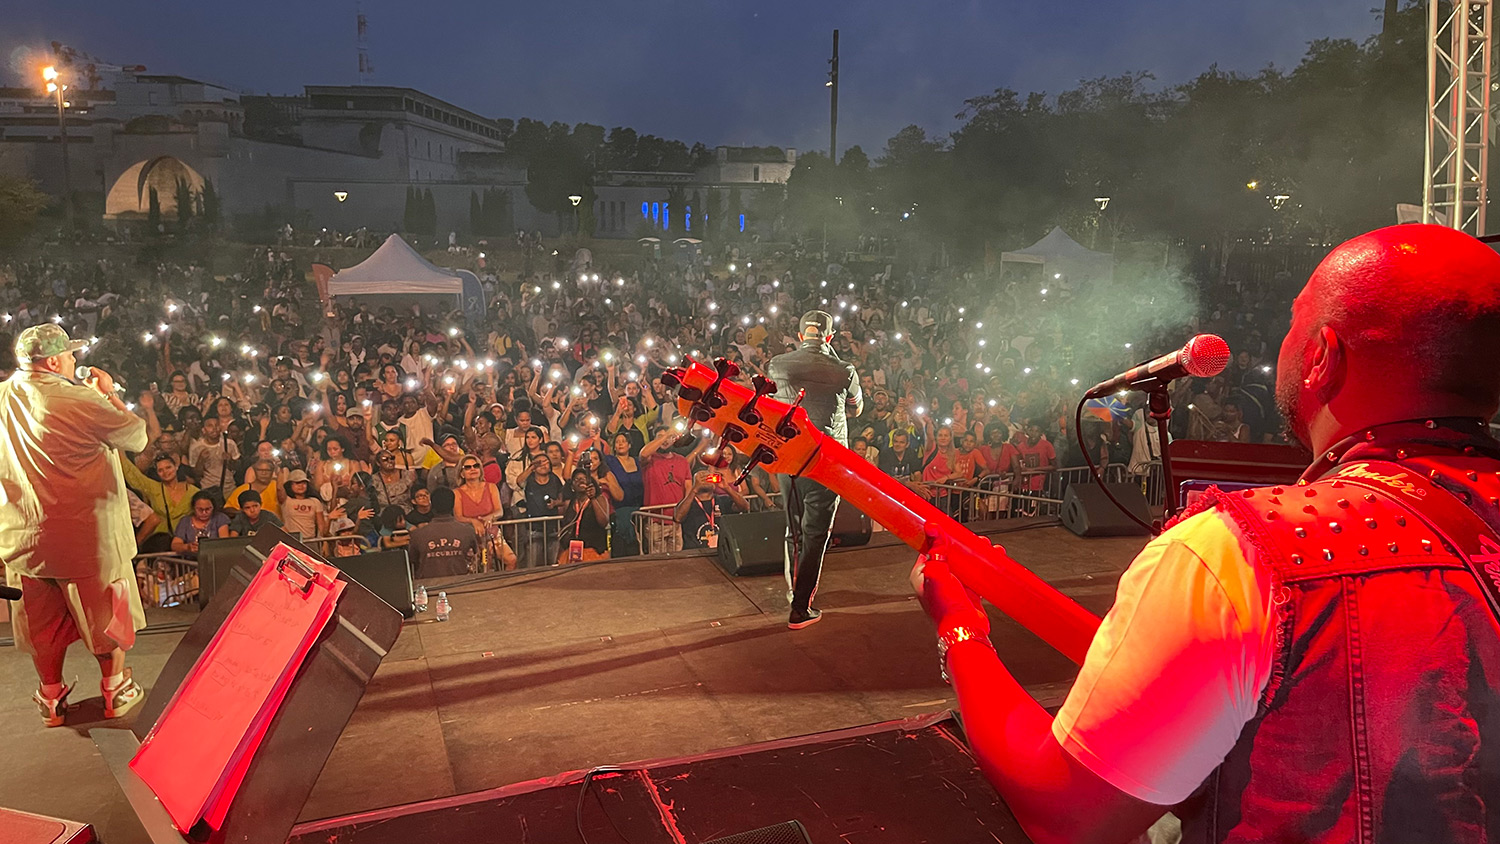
{"x": 396, "y": 269}
{"x": 1060, "y": 254}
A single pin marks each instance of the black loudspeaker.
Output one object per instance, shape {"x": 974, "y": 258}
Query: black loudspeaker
{"x": 386, "y": 573}
{"x": 215, "y": 558}
{"x": 1087, "y": 512}
{"x": 791, "y": 832}
{"x": 752, "y": 544}
{"x": 851, "y": 527}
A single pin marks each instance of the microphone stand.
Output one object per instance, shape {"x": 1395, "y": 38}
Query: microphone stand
{"x": 1159, "y": 403}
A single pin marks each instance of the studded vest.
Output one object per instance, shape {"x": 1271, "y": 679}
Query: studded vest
{"x": 1381, "y": 720}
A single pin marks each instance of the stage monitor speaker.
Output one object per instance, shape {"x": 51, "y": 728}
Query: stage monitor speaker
{"x": 386, "y": 573}
{"x": 1087, "y": 512}
{"x": 851, "y": 527}
{"x": 215, "y": 558}
{"x": 791, "y": 832}
{"x": 752, "y": 544}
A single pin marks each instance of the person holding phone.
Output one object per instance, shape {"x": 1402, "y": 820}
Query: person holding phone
{"x": 585, "y": 518}
{"x": 700, "y": 510}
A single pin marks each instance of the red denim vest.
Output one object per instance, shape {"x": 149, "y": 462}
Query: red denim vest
{"x": 1381, "y": 721}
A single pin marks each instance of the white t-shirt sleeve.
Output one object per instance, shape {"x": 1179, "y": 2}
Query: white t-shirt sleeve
{"x": 1177, "y": 667}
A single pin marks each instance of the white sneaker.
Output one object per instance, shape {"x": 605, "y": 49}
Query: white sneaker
{"x": 123, "y": 698}
{"x": 54, "y": 711}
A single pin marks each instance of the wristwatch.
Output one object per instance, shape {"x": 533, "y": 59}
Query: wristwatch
{"x": 949, "y": 638}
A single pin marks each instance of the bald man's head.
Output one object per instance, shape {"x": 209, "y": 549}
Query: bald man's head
{"x": 1416, "y": 306}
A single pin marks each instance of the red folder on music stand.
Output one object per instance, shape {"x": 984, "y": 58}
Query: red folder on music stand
{"x": 196, "y": 756}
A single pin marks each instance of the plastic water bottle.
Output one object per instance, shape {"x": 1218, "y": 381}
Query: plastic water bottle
{"x": 420, "y": 598}
{"x": 443, "y": 607}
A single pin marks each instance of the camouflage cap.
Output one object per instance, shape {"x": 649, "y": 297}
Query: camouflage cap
{"x": 44, "y": 341}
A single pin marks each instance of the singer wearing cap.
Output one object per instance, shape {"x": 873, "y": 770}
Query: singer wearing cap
{"x": 65, "y": 533}
{"x": 832, "y": 396}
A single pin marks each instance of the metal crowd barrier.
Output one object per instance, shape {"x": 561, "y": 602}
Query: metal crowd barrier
{"x": 536, "y": 541}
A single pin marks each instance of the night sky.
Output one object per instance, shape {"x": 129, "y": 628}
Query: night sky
{"x": 720, "y": 72}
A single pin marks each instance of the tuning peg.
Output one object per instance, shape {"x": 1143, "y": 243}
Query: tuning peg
{"x": 724, "y": 369}
{"x": 785, "y": 428}
{"x": 760, "y": 455}
{"x": 763, "y": 386}
{"x": 719, "y": 460}
{"x": 673, "y": 377}
{"x": 734, "y": 434}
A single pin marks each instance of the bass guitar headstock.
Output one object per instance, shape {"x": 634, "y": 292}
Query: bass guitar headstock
{"x": 771, "y": 433}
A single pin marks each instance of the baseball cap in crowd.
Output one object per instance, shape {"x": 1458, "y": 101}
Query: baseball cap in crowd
{"x": 44, "y": 341}
{"x": 449, "y": 435}
{"x": 341, "y": 524}
{"x": 355, "y": 411}
{"x": 820, "y": 320}
{"x": 296, "y": 475}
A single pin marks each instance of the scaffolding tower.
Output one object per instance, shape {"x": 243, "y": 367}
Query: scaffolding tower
{"x": 1455, "y": 187}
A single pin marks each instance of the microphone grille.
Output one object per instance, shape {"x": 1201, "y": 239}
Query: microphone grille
{"x": 1205, "y": 356}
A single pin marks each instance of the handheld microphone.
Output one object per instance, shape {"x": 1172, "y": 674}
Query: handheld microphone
{"x": 1204, "y": 356}
{"x": 83, "y": 373}
{"x": 8, "y": 593}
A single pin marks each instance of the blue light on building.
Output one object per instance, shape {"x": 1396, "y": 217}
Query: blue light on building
{"x": 742, "y": 223}
{"x": 656, "y": 212}
{"x": 646, "y": 209}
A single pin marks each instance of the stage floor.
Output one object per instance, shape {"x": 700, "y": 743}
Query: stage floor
{"x": 566, "y": 669}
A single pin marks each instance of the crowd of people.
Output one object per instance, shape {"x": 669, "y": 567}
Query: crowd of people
{"x": 345, "y": 419}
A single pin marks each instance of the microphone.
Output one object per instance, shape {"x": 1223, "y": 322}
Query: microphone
{"x": 8, "y": 593}
{"x": 83, "y": 373}
{"x": 1204, "y": 356}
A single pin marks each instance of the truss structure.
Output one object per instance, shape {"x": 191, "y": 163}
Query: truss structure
{"x": 1455, "y": 187}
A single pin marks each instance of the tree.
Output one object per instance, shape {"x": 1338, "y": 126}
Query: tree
{"x": 20, "y": 206}
{"x": 153, "y": 212}
{"x": 586, "y": 220}
{"x": 677, "y": 203}
{"x": 429, "y": 213}
{"x": 184, "y": 199}
{"x": 411, "y": 213}
{"x": 732, "y": 214}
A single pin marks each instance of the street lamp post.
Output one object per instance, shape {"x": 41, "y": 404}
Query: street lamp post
{"x": 575, "y": 199}
{"x": 56, "y": 87}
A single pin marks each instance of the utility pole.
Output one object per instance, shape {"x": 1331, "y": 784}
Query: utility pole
{"x": 833, "y": 102}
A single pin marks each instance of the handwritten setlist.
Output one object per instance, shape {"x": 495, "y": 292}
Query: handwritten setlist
{"x": 196, "y": 756}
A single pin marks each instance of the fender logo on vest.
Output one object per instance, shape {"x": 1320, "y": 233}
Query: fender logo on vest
{"x": 1398, "y": 481}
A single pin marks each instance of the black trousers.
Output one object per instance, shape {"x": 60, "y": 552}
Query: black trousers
{"x": 809, "y": 507}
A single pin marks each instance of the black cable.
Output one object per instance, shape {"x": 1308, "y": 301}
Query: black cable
{"x": 583, "y": 793}
{"x": 1094, "y": 470}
